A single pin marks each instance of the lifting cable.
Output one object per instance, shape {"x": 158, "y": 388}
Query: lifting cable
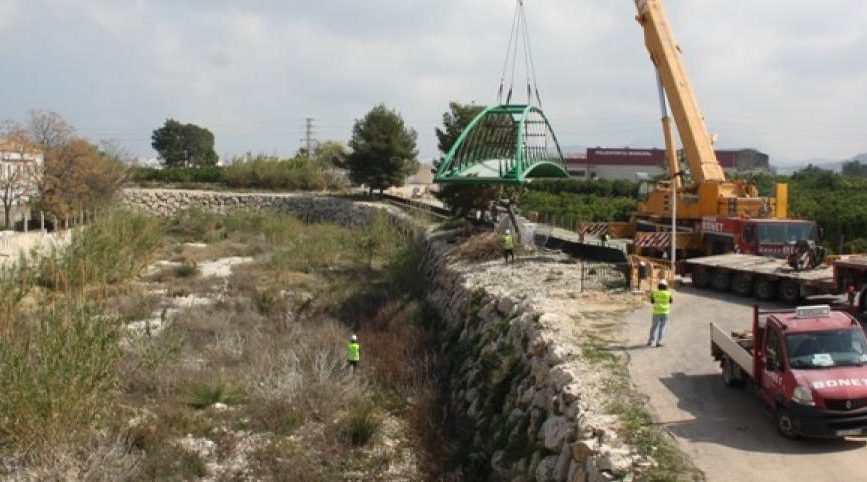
{"x": 519, "y": 34}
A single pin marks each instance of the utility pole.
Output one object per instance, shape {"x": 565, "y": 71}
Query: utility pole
{"x": 309, "y": 137}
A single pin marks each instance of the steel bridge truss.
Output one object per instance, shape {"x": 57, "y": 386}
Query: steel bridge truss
{"x": 507, "y": 144}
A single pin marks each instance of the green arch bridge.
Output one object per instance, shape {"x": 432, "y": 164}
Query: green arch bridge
{"x": 506, "y": 144}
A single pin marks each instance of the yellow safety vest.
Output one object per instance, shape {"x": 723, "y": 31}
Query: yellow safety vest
{"x": 508, "y": 242}
{"x": 661, "y": 302}
{"x": 353, "y": 352}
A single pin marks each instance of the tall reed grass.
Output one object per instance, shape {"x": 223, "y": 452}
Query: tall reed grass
{"x": 110, "y": 250}
{"x": 58, "y": 373}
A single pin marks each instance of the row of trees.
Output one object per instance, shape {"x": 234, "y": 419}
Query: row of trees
{"x": 382, "y": 150}
{"x": 75, "y": 175}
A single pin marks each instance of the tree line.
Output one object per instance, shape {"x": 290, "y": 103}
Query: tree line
{"x": 380, "y": 154}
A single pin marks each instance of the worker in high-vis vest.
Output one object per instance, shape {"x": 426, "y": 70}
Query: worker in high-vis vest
{"x": 661, "y": 299}
{"x": 509, "y": 246}
{"x": 353, "y": 353}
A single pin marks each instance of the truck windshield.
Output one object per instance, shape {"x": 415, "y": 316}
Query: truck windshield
{"x": 824, "y": 349}
{"x": 785, "y": 233}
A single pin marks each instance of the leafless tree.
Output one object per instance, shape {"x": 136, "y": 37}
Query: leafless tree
{"x": 49, "y": 129}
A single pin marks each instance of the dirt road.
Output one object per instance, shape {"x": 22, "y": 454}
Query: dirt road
{"x": 725, "y": 431}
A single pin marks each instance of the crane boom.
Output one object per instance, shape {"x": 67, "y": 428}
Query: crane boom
{"x": 667, "y": 57}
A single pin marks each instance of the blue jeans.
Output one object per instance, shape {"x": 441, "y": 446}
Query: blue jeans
{"x": 659, "y": 322}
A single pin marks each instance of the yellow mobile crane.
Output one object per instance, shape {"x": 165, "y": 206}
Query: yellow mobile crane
{"x": 711, "y": 211}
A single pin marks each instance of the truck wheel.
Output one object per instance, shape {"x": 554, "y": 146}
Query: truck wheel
{"x": 742, "y": 284}
{"x": 700, "y": 278}
{"x": 731, "y": 373}
{"x": 785, "y": 425}
{"x": 790, "y": 292}
{"x": 765, "y": 289}
{"x": 721, "y": 280}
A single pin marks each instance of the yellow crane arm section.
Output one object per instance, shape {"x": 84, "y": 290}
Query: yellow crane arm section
{"x": 666, "y": 56}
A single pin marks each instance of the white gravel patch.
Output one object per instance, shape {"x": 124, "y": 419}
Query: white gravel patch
{"x": 222, "y": 268}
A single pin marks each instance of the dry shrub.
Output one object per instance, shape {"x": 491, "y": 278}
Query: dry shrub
{"x": 390, "y": 343}
{"x": 283, "y": 460}
{"x": 136, "y": 304}
{"x": 202, "y": 325}
{"x": 481, "y": 247}
{"x": 277, "y": 416}
{"x": 97, "y": 458}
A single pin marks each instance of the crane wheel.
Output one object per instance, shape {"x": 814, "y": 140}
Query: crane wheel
{"x": 721, "y": 280}
{"x": 700, "y": 278}
{"x": 790, "y": 292}
{"x": 765, "y": 289}
{"x": 742, "y": 284}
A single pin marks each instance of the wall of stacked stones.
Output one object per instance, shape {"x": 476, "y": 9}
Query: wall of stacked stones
{"x": 310, "y": 207}
{"x": 514, "y": 388}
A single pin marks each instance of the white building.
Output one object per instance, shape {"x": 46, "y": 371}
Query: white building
{"x": 20, "y": 173}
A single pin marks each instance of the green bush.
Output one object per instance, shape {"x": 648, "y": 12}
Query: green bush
{"x": 579, "y": 207}
{"x": 59, "y": 373}
{"x": 598, "y": 187}
{"x": 209, "y": 174}
{"x": 360, "y": 425}
{"x": 271, "y": 173}
{"x": 112, "y": 249}
{"x": 203, "y": 395}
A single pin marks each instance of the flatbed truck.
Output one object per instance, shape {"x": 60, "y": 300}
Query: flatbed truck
{"x": 808, "y": 365}
{"x": 769, "y": 278}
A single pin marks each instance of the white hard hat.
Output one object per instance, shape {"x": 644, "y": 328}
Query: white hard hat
{"x": 663, "y": 283}
{"x": 508, "y": 230}
{"x": 354, "y": 338}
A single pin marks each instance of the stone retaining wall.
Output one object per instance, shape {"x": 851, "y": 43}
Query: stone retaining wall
{"x": 311, "y": 207}
{"x": 537, "y": 409}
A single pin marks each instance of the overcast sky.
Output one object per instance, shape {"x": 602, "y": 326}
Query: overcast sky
{"x": 789, "y": 78}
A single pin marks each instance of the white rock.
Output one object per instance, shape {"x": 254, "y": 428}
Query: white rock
{"x": 220, "y": 407}
{"x": 560, "y": 376}
{"x": 555, "y": 431}
{"x": 570, "y": 393}
{"x": 583, "y": 449}
{"x": 557, "y": 354}
{"x": 615, "y": 460}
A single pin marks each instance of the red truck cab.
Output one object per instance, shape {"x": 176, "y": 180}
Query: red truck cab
{"x": 809, "y": 365}
{"x": 763, "y": 237}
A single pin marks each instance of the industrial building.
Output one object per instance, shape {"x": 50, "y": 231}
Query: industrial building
{"x": 637, "y": 164}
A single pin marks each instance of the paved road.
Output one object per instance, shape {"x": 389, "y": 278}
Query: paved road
{"x": 726, "y": 431}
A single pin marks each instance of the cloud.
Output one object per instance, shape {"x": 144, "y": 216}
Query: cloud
{"x": 787, "y": 79}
